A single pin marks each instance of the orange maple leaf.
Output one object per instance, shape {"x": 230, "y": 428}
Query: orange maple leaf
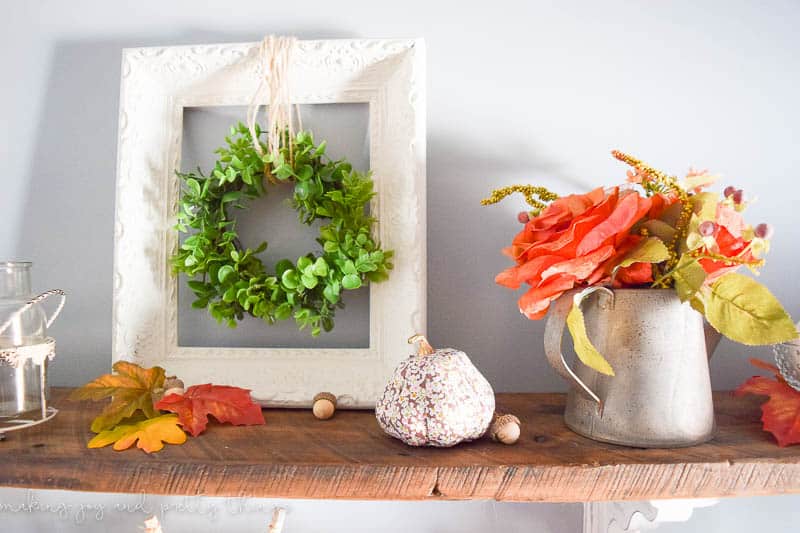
{"x": 226, "y": 404}
{"x": 149, "y": 435}
{"x": 781, "y": 413}
{"x": 130, "y": 389}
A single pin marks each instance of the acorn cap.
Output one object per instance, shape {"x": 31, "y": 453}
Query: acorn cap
{"x": 502, "y": 429}
{"x": 325, "y": 396}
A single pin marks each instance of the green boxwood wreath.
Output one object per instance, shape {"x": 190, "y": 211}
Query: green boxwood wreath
{"x": 231, "y": 280}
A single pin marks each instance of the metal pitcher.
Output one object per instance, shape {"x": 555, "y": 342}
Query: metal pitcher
{"x": 658, "y": 346}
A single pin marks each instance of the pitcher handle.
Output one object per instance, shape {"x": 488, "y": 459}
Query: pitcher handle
{"x": 33, "y": 301}
{"x": 554, "y": 331}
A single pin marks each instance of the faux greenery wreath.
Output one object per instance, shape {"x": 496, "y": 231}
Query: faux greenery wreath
{"x": 231, "y": 280}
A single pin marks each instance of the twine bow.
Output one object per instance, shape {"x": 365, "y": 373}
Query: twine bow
{"x": 276, "y": 59}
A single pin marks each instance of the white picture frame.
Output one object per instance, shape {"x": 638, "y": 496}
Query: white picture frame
{"x": 157, "y": 84}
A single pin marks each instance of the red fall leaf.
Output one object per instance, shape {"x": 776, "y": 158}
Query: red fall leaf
{"x": 226, "y": 404}
{"x": 781, "y": 413}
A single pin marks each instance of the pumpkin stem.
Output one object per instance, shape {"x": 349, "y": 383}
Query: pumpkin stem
{"x": 425, "y": 347}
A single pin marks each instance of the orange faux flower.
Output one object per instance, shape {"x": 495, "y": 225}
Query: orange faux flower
{"x": 726, "y": 238}
{"x": 576, "y": 240}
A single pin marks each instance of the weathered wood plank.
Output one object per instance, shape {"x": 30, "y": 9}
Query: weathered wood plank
{"x": 349, "y": 457}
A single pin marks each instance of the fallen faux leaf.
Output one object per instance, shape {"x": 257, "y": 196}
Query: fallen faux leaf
{"x": 226, "y": 404}
{"x": 130, "y": 389}
{"x": 781, "y": 413}
{"x": 151, "y": 434}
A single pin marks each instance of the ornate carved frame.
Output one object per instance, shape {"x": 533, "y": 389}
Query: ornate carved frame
{"x": 157, "y": 84}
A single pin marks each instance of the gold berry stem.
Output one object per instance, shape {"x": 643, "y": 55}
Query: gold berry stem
{"x": 425, "y": 347}
{"x": 665, "y": 181}
{"x": 756, "y": 263}
{"x": 530, "y": 192}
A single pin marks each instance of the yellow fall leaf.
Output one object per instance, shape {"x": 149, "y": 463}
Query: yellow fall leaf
{"x": 584, "y": 348}
{"x": 130, "y": 389}
{"x": 149, "y": 435}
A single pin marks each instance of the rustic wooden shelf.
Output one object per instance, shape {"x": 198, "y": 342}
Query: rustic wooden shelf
{"x": 349, "y": 457}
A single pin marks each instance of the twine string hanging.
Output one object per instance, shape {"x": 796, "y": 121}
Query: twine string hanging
{"x": 275, "y": 57}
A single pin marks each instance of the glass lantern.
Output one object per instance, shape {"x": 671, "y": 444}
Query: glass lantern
{"x": 25, "y": 348}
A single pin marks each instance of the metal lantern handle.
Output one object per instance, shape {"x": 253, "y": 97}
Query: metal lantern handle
{"x": 554, "y": 331}
{"x": 33, "y": 301}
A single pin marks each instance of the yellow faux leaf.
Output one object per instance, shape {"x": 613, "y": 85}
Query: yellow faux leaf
{"x": 689, "y": 277}
{"x": 650, "y": 250}
{"x": 705, "y": 204}
{"x": 130, "y": 389}
{"x": 151, "y": 434}
{"x": 660, "y": 229}
{"x": 584, "y": 348}
{"x": 745, "y": 311}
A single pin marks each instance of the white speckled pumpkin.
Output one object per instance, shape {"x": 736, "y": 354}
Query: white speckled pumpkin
{"x": 436, "y": 398}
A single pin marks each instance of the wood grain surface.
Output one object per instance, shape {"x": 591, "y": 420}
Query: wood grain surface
{"x": 348, "y": 457}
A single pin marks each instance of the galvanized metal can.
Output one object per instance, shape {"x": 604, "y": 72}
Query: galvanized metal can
{"x": 658, "y": 346}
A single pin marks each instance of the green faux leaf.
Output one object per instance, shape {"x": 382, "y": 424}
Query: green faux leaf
{"x": 349, "y": 268}
{"x": 283, "y": 311}
{"x": 229, "y": 295}
{"x": 282, "y": 266}
{"x": 584, "y": 348}
{"x": 351, "y": 281}
{"x": 320, "y": 267}
{"x": 290, "y": 279}
{"x": 283, "y": 172}
{"x": 304, "y": 262}
{"x": 745, "y": 311}
{"x": 305, "y": 172}
{"x": 194, "y": 186}
{"x": 231, "y": 196}
{"x": 309, "y": 282}
{"x": 302, "y": 190}
{"x": 196, "y": 285}
{"x": 331, "y": 293}
{"x": 224, "y": 273}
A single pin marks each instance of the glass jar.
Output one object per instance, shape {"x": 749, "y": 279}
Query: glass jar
{"x": 23, "y": 389}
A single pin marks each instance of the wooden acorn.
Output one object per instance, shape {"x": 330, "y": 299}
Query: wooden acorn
{"x": 324, "y": 405}
{"x": 435, "y": 398}
{"x": 505, "y": 428}
{"x": 173, "y": 385}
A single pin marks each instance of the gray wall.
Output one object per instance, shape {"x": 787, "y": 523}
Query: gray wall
{"x": 524, "y": 91}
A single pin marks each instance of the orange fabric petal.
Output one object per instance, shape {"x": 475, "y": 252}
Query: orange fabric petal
{"x": 731, "y": 220}
{"x": 535, "y": 303}
{"x": 508, "y": 278}
{"x": 630, "y": 208}
{"x": 636, "y": 274}
{"x": 529, "y": 272}
{"x": 581, "y": 267}
{"x": 729, "y": 246}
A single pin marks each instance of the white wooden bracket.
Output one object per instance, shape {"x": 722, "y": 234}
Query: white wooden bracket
{"x": 635, "y": 517}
